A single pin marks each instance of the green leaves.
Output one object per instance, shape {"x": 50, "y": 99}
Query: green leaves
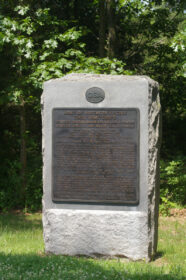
{"x": 50, "y": 44}
{"x": 42, "y": 40}
{"x": 70, "y": 35}
{"x": 21, "y": 10}
{"x": 173, "y": 181}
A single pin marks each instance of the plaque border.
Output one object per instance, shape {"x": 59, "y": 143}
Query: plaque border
{"x": 89, "y": 202}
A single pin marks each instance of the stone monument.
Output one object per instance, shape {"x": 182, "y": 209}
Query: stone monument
{"x": 101, "y": 141}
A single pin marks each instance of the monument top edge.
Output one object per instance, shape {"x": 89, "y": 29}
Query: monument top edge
{"x": 77, "y": 77}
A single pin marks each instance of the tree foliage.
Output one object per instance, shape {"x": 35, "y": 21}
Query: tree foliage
{"x": 48, "y": 39}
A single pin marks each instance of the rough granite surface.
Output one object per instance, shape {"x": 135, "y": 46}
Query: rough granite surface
{"x": 96, "y": 233}
{"x": 154, "y": 143}
{"x": 81, "y": 230}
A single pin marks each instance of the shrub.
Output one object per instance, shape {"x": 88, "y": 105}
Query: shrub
{"x": 172, "y": 184}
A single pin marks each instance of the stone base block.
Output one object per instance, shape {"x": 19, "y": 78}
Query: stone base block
{"x": 96, "y": 233}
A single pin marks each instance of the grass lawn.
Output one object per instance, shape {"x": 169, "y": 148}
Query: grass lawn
{"x": 22, "y": 255}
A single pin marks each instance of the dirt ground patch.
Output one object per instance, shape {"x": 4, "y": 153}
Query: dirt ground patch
{"x": 177, "y": 215}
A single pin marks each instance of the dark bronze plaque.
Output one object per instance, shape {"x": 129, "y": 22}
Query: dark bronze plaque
{"x": 95, "y": 155}
{"x": 95, "y": 95}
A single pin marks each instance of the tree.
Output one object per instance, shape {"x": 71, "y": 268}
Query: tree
{"x": 102, "y": 31}
{"x": 48, "y": 39}
{"x": 111, "y": 28}
{"x": 39, "y": 46}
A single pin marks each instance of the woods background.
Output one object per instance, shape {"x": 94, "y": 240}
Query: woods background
{"x": 41, "y": 40}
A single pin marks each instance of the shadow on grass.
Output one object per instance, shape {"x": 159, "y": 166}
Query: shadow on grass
{"x": 20, "y": 222}
{"x": 159, "y": 255}
{"x": 74, "y": 268}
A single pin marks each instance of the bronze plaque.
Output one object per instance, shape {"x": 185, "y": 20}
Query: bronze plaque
{"x": 95, "y": 155}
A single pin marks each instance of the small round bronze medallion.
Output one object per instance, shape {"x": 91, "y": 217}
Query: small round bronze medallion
{"x": 95, "y": 95}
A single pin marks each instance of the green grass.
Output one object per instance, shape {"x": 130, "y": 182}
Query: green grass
{"x": 22, "y": 255}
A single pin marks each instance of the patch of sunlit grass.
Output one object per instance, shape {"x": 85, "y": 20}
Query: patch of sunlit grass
{"x": 22, "y": 255}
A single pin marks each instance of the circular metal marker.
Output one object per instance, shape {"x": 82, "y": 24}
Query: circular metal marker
{"x": 95, "y": 95}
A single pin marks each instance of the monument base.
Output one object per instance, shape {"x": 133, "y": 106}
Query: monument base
{"x": 96, "y": 233}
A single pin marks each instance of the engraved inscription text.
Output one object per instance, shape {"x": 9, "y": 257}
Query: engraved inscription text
{"x": 95, "y": 155}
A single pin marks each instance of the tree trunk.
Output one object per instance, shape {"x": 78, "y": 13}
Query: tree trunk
{"x": 111, "y": 28}
{"x": 102, "y": 28}
{"x": 76, "y": 9}
{"x": 23, "y": 156}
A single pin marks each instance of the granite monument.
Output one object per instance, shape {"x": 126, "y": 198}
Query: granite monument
{"x": 101, "y": 142}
